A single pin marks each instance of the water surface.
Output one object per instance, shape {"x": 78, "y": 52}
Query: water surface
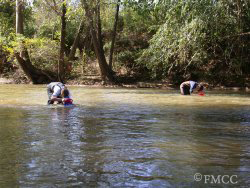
{"x": 122, "y": 138}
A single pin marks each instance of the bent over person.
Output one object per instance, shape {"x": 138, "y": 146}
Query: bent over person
{"x": 188, "y": 87}
{"x": 55, "y": 90}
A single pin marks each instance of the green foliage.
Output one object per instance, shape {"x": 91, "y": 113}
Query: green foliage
{"x": 48, "y": 21}
{"x": 194, "y": 34}
{"x": 8, "y": 44}
{"x": 7, "y": 18}
{"x": 43, "y": 52}
{"x": 136, "y": 25}
{"x": 126, "y": 59}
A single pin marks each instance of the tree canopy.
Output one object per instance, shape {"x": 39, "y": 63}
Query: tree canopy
{"x": 158, "y": 39}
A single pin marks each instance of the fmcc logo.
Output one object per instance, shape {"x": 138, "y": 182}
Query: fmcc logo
{"x": 219, "y": 179}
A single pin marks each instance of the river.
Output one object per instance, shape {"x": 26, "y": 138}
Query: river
{"x": 124, "y": 138}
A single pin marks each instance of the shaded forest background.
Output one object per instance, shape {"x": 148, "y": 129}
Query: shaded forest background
{"x": 126, "y": 41}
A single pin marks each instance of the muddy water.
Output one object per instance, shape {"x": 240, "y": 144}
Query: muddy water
{"x": 124, "y": 138}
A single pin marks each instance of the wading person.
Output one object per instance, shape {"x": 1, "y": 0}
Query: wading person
{"x": 55, "y": 91}
{"x": 188, "y": 87}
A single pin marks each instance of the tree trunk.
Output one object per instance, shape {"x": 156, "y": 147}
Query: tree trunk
{"x": 76, "y": 41}
{"x": 61, "y": 62}
{"x": 99, "y": 24}
{"x": 106, "y": 72}
{"x": 37, "y": 76}
{"x": 19, "y": 16}
{"x": 114, "y": 34}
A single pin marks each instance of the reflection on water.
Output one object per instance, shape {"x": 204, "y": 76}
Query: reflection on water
{"x": 122, "y": 138}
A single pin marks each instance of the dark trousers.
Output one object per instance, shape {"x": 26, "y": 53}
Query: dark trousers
{"x": 186, "y": 90}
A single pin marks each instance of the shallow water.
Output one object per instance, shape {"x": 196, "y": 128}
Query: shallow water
{"x": 123, "y": 138}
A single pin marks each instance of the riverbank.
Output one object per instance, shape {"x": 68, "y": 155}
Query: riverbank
{"x": 152, "y": 85}
{"x": 96, "y": 82}
{"x": 160, "y": 85}
{"x": 6, "y": 81}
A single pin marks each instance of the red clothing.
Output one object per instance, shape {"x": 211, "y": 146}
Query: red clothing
{"x": 67, "y": 101}
{"x": 201, "y": 93}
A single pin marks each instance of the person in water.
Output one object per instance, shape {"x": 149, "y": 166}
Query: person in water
{"x": 55, "y": 91}
{"x": 188, "y": 87}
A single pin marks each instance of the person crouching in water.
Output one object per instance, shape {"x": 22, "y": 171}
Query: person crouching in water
{"x": 188, "y": 87}
{"x": 54, "y": 90}
{"x": 66, "y": 97}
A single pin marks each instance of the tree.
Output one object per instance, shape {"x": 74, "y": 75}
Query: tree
{"x": 7, "y": 18}
{"x": 114, "y": 34}
{"x": 106, "y": 71}
{"x": 62, "y": 13}
{"x": 37, "y": 76}
{"x": 61, "y": 66}
{"x": 19, "y": 16}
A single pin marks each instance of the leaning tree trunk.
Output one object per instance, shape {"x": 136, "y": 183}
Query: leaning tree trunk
{"x": 37, "y": 76}
{"x": 106, "y": 72}
{"x": 114, "y": 34}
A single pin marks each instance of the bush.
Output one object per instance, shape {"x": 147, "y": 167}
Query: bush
{"x": 43, "y": 53}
